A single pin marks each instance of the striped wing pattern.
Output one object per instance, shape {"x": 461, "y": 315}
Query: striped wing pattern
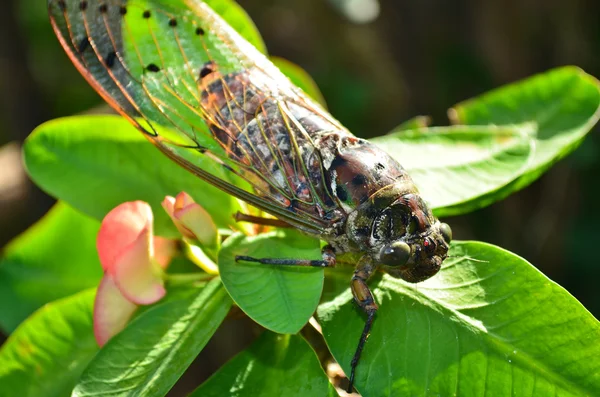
{"x": 206, "y": 98}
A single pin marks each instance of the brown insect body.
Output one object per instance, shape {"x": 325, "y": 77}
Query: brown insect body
{"x": 372, "y": 201}
{"x": 219, "y": 97}
{"x": 265, "y": 141}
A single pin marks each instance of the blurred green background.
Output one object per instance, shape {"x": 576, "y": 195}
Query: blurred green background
{"x": 378, "y": 63}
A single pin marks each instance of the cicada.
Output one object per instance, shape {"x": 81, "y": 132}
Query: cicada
{"x": 195, "y": 88}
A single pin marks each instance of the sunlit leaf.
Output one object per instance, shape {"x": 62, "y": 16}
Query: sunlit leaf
{"x": 461, "y": 168}
{"x": 280, "y": 298}
{"x": 48, "y": 352}
{"x": 53, "y": 259}
{"x": 555, "y": 110}
{"x": 275, "y": 365}
{"x": 560, "y": 106}
{"x": 94, "y": 163}
{"x": 488, "y": 323}
{"x": 148, "y": 357}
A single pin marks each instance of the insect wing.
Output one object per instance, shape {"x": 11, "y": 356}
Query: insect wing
{"x": 193, "y": 85}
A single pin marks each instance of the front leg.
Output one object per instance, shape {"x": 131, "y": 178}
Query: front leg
{"x": 364, "y": 298}
{"x": 259, "y": 220}
{"x": 327, "y": 253}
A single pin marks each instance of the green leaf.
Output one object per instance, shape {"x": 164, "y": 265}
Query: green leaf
{"x": 235, "y": 16}
{"x": 95, "y": 163}
{"x": 561, "y": 106}
{"x": 148, "y": 357}
{"x": 280, "y": 298}
{"x": 53, "y": 259}
{"x": 488, "y": 323}
{"x": 47, "y": 353}
{"x": 274, "y": 365}
{"x": 300, "y": 78}
{"x": 458, "y": 169}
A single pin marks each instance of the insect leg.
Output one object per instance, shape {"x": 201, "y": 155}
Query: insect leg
{"x": 364, "y": 298}
{"x": 258, "y": 220}
{"x": 327, "y": 253}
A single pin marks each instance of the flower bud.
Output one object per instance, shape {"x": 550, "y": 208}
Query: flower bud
{"x": 192, "y": 221}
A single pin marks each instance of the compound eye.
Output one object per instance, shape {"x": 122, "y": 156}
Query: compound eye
{"x": 446, "y": 232}
{"x": 395, "y": 254}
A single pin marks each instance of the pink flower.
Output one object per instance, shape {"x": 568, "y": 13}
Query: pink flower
{"x": 132, "y": 259}
{"x": 192, "y": 221}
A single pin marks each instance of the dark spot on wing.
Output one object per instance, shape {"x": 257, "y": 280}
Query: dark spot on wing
{"x": 380, "y": 166}
{"x": 359, "y": 180}
{"x": 62, "y": 5}
{"x": 199, "y": 31}
{"x": 83, "y": 45}
{"x": 152, "y": 68}
{"x": 146, "y": 14}
{"x": 103, "y": 8}
{"x": 123, "y": 10}
{"x": 110, "y": 59}
{"x": 206, "y": 70}
{"x": 83, "y": 5}
{"x": 173, "y": 22}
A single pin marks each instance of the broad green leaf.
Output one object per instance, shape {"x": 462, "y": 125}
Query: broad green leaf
{"x": 53, "y": 259}
{"x": 300, "y": 78}
{"x": 489, "y": 323}
{"x": 274, "y": 365}
{"x": 280, "y": 298}
{"x": 460, "y": 168}
{"x": 95, "y": 163}
{"x": 47, "y": 353}
{"x": 561, "y": 106}
{"x": 148, "y": 357}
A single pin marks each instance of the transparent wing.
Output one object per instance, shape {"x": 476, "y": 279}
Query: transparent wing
{"x": 206, "y": 98}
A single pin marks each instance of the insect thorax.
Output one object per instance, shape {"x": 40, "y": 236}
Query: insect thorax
{"x": 313, "y": 165}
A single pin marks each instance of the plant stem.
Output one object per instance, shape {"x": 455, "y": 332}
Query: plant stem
{"x": 200, "y": 258}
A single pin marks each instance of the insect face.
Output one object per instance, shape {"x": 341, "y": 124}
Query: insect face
{"x": 424, "y": 260}
{"x": 405, "y": 239}
{"x": 427, "y": 238}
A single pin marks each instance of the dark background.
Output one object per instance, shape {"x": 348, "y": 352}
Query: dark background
{"x": 416, "y": 57}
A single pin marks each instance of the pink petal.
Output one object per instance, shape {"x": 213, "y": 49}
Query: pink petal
{"x": 120, "y": 228}
{"x": 135, "y": 273}
{"x": 183, "y": 200}
{"x": 195, "y": 218}
{"x": 164, "y": 250}
{"x": 169, "y": 204}
{"x": 112, "y": 311}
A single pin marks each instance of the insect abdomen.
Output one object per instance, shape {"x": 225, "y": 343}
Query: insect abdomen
{"x": 276, "y": 136}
